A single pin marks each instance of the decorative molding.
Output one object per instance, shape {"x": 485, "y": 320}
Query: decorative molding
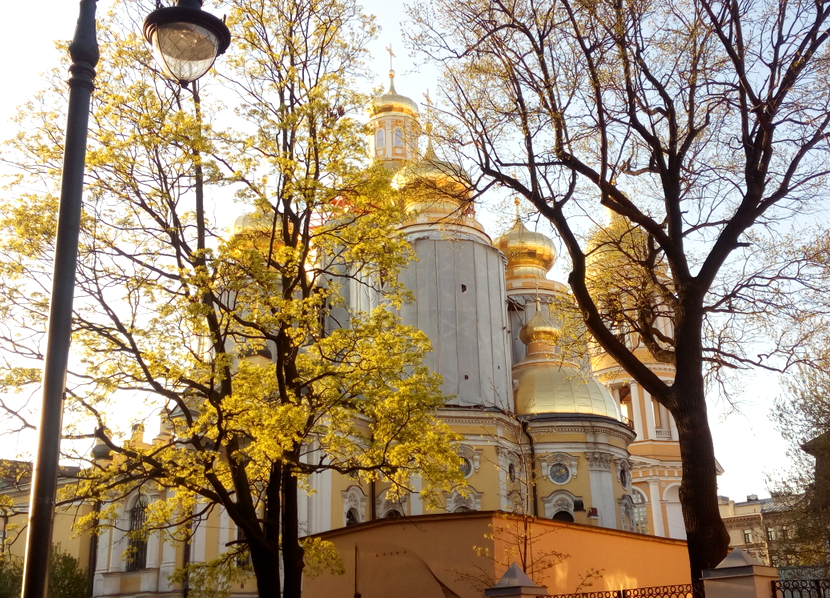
{"x": 354, "y": 498}
{"x": 469, "y": 499}
{"x": 626, "y": 513}
{"x": 383, "y": 505}
{"x": 473, "y": 455}
{"x": 598, "y": 460}
{"x": 624, "y": 467}
{"x": 507, "y": 458}
{"x": 561, "y": 500}
{"x": 546, "y": 460}
{"x": 570, "y": 428}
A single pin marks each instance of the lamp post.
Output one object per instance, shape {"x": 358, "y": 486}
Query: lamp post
{"x": 84, "y": 53}
{"x": 186, "y": 42}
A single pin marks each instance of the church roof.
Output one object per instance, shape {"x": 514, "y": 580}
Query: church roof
{"x": 392, "y": 101}
{"x": 548, "y": 384}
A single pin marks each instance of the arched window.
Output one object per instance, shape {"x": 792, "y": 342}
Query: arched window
{"x": 397, "y": 137}
{"x": 352, "y": 517}
{"x": 380, "y": 138}
{"x": 392, "y": 514}
{"x": 640, "y": 512}
{"x": 137, "y": 546}
{"x": 563, "y": 516}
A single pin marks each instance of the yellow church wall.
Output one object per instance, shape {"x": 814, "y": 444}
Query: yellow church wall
{"x": 405, "y": 553}
{"x": 663, "y": 451}
{"x": 63, "y": 534}
{"x": 339, "y": 484}
{"x": 212, "y": 535}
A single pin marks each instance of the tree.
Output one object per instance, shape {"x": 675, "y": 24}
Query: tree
{"x": 802, "y": 416}
{"x": 262, "y": 375}
{"x": 699, "y": 124}
{"x": 66, "y": 578}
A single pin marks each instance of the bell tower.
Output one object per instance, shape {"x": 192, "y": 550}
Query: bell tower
{"x": 393, "y": 126}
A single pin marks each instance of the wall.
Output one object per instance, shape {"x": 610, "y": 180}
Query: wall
{"x": 417, "y": 556}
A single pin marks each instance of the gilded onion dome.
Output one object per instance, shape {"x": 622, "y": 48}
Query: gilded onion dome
{"x": 433, "y": 185}
{"x": 540, "y": 334}
{"x": 529, "y": 254}
{"x": 391, "y": 101}
{"x": 253, "y": 230}
{"x": 548, "y": 384}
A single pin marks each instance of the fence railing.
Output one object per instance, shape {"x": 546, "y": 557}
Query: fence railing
{"x": 801, "y": 588}
{"x": 676, "y": 591}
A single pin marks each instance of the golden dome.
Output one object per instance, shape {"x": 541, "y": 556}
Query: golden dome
{"x": 540, "y": 333}
{"x": 433, "y": 185}
{"x": 555, "y": 387}
{"x": 252, "y": 230}
{"x": 391, "y": 101}
{"x": 528, "y": 253}
{"x": 547, "y": 384}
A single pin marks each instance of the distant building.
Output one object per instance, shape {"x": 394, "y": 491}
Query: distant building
{"x": 761, "y": 527}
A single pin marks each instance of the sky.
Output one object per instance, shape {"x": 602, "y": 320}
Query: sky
{"x": 746, "y": 443}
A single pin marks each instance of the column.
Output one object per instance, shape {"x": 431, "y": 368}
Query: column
{"x": 656, "y": 511}
{"x": 673, "y": 427}
{"x": 118, "y": 544}
{"x": 637, "y": 414}
{"x": 224, "y": 530}
{"x": 648, "y": 413}
{"x": 321, "y": 505}
{"x": 415, "y": 505}
{"x": 197, "y": 543}
{"x": 101, "y": 561}
{"x": 602, "y": 487}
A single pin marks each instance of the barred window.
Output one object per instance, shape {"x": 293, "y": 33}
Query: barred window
{"x": 243, "y": 557}
{"x": 137, "y": 546}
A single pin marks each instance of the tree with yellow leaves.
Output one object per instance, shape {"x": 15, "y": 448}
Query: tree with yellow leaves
{"x": 262, "y": 375}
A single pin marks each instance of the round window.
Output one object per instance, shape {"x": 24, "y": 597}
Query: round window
{"x": 559, "y": 473}
{"x": 466, "y": 467}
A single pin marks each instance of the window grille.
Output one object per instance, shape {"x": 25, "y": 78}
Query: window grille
{"x": 137, "y": 546}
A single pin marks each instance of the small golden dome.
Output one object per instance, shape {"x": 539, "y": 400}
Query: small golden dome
{"x": 540, "y": 332}
{"x": 391, "y": 101}
{"x": 253, "y": 230}
{"x": 529, "y": 253}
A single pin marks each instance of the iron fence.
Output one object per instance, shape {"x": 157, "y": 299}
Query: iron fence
{"x": 801, "y": 588}
{"x": 675, "y": 591}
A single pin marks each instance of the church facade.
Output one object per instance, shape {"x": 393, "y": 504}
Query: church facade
{"x": 545, "y": 433}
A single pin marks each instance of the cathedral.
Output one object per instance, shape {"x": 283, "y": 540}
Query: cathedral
{"x": 545, "y": 433}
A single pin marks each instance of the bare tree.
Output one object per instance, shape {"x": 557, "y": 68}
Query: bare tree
{"x": 699, "y": 125}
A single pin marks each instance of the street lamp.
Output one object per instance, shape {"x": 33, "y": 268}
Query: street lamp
{"x": 84, "y": 53}
{"x": 185, "y": 40}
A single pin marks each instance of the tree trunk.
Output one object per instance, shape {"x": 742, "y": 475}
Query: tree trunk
{"x": 708, "y": 540}
{"x": 265, "y": 556}
{"x": 292, "y": 552}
